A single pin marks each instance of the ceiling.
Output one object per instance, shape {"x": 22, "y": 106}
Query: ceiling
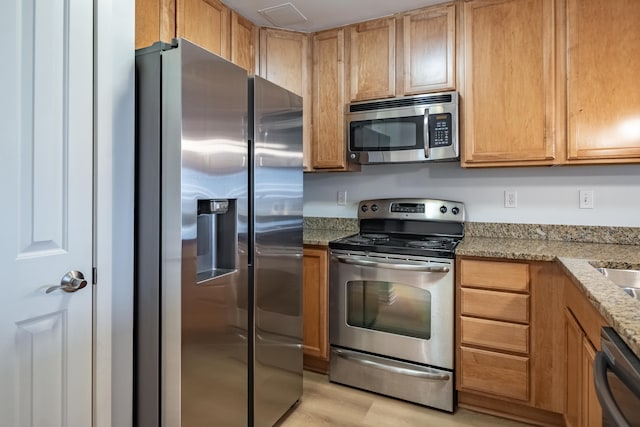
{"x": 324, "y": 14}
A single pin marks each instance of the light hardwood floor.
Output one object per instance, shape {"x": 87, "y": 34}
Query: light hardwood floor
{"x": 327, "y": 404}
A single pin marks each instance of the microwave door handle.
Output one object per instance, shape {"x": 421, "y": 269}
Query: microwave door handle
{"x": 426, "y": 133}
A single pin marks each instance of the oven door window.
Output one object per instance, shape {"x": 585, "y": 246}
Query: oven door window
{"x": 389, "y": 307}
{"x": 399, "y": 133}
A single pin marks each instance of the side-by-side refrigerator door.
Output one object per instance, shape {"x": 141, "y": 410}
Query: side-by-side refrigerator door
{"x": 277, "y": 262}
{"x": 205, "y": 317}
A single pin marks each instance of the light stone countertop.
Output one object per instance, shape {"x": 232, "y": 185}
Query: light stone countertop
{"x": 322, "y": 237}
{"x": 620, "y": 310}
{"x": 320, "y": 231}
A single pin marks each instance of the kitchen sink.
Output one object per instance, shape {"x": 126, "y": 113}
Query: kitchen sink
{"x": 628, "y": 280}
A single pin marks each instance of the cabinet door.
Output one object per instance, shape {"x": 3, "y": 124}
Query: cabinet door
{"x": 244, "y": 39}
{"x": 429, "y": 50}
{"x": 205, "y": 23}
{"x": 372, "y": 57}
{"x": 603, "y": 91}
{"x": 509, "y": 90}
{"x": 495, "y": 373}
{"x": 591, "y": 410}
{"x": 315, "y": 294}
{"x": 286, "y": 61}
{"x": 155, "y": 21}
{"x": 574, "y": 338}
{"x": 328, "y": 147}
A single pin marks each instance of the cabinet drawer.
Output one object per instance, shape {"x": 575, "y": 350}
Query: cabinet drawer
{"x": 494, "y": 305}
{"x": 498, "y": 335}
{"x": 506, "y": 276}
{"x": 495, "y": 373}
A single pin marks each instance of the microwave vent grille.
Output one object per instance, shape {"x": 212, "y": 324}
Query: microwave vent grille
{"x": 399, "y": 102}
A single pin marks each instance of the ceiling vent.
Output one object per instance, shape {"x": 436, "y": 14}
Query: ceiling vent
{"x": 283, "y": 15}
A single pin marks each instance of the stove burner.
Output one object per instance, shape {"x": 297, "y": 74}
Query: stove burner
{"x": 375, "y": 237}
{"x": 427, "y": 244}
{"x": 369, "y": 238}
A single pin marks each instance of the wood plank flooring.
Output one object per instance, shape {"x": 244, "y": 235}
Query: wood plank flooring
{"x": 327, "y": 404}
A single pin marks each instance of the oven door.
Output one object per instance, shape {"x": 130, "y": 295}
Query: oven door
{"x": 393, "y": 306}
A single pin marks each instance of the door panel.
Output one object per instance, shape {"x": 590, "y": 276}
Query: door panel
{"x": 46, "y": 173}
{"x": 277, "y": 260}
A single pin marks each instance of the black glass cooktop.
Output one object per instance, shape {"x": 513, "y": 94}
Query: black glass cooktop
{"x": 419, "y": 245}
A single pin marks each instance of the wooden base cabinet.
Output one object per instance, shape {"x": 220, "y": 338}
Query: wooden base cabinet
{"x": 315, "y": 306}
{"x": 510, "y": 340}
{"x": 582, "y": 332}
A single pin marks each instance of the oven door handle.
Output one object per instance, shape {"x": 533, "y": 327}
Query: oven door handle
{"x": 392, "y": 266}
{"x": 364, "y": 360}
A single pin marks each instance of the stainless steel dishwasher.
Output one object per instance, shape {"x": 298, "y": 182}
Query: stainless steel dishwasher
{"x": 617, "y": 381}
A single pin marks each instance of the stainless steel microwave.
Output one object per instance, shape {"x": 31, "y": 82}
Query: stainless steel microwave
{"x": 401, "y": 130}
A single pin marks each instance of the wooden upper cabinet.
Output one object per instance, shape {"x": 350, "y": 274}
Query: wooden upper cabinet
{"x": 372, "y": 59}
{"x": 509, "y": 86}
{"x": 328, "y": 143}
{"x": 603, "y": 90}
{"x": 205, "y": 23}
{"x": 429, "y": 49}
{"x": 244, "y": 39}
{"x": 285, "y": 59}
{"x": 155, "y": 21}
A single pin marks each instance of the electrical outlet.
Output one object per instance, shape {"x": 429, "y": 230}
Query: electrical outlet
{"x": 342, "y": 198}
{"x": 510, "y": 198}
{"x": 586, "y": 199}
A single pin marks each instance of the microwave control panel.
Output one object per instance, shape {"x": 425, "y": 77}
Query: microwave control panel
{"x": 440, "y": 130}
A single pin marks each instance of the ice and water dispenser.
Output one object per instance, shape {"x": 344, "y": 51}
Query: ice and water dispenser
{"x": 217, "y": 238}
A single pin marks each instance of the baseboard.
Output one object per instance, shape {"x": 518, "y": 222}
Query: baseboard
{"x": 316, "y": 364}
{"x": 512, "y": 411}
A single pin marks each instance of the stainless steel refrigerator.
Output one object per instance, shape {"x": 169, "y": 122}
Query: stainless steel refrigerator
{"x": 218, "y": 279}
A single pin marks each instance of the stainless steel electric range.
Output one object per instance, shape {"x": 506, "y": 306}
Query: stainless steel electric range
{"x": 392, "y": 300}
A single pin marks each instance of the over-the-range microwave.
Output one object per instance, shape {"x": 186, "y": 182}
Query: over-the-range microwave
{"x": 401, "y": 130}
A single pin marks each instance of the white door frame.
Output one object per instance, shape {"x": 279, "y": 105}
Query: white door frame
{"x": 113, "y": 206}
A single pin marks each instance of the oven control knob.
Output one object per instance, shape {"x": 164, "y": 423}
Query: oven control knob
{"x": 455, "y": 211}
{"x": 374, "y": 208}
{"x": 443, "y": 209}
{"x": 364, "y": 208}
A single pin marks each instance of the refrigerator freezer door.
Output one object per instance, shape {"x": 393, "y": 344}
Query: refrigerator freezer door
{"x": 192, "y": 288}
{"x": 277, "y": 256}
{"x": 212, "y": 165}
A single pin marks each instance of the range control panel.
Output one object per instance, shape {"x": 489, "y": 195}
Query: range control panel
{"x": 415, "y": 209}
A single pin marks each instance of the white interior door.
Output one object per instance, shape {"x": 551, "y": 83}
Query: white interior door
{"x": 46, "y": 87}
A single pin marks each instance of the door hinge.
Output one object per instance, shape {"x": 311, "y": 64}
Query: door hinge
{"x": 94, "y": 275}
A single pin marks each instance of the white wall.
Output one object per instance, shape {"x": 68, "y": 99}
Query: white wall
{"x": 114, "y": 183}
{"x": 545, "y": 195}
